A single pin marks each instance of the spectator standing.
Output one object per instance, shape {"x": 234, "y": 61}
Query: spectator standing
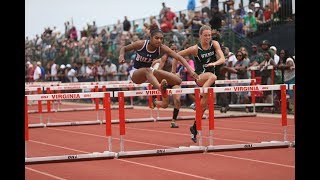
{"x": 266, "y": 74}
{"x": 122, "y": 70}
{"x": 216, "y": 19}
{"x": 37, "y": 72}
{"x": 110, "y": 71}
{"x": 126, "y": 24}
{"x": 163, "y": 10}
{"x": 191, "y": 7}
{"x": 250, "y": 23}
{"x": 274, "y": 54}
{"x": 288, "y": 67}
{"x": 196, "y": 23}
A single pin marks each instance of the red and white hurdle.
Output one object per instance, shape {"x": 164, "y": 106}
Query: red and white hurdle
{"x": 200, "y": 147}
{"x": 192, "y": 149}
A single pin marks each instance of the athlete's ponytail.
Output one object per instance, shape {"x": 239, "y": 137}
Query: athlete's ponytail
{"x": 154, "y": 29}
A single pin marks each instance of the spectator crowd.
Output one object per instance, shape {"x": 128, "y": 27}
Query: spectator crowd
{"x": 92, "y": 54}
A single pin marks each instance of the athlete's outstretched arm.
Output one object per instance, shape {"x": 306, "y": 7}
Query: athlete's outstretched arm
{"x": 184, "y": 62}
{"x": 133, "y": 46}
{"x": 219, "y": 53}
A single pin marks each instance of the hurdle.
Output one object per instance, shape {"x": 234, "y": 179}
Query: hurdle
{"x": 51, "y": 97}
{"x": 235, "y": 81}
{"x": 96, "y": 88}
{"x": 74, "y": 157}
{"x": 254, "y": 105}
{"x": 211, "y": 147}
{"x": 58, "y": 86}
{"x": 264, "y": 144}
{"x": 168, "y": 151}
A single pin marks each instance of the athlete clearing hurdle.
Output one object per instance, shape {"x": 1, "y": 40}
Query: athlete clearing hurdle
{"x": 146, "y": 52}
{"x": 165, "y": 63}
{"x": 208, "y": 60}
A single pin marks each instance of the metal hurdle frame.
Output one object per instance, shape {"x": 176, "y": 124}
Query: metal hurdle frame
{"x": 182, "y": 149}
{"x": 235, "y": 81}
{"x": 200, "y": 147}
{"x": 83, "y": 86}
{"x": 72, "y": 157}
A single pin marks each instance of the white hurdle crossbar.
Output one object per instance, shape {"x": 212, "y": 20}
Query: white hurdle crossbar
{"x": 168, "y": 151}
{"x": 200, "y": 148}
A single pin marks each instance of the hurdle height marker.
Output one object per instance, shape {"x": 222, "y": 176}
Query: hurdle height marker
{"x": 198, "y": 114}
{"x": 121, "y": 119}
{"x": 284, "y": 110}
{"x": 211, "y": 114}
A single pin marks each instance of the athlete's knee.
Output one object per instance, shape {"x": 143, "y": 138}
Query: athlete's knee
{"x": 165, "y": 105}
{"x": 149, "y": 70}
{"x": 176, "y": 80}
{"x": 177, "y": 103}
{"x": 213, "y": 77}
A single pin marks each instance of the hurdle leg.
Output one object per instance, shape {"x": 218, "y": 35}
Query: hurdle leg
{"x": 121, "y": 144}
{"x": 200, "y": 137}
{"x": 121, "y": 119}
{"x": 210, "y": 137}
{"x": 158, "y": 109}
{"x": 211, "y": 114}
{"x": 107, "y": 112}
{"x": 110, "y": 143}
{"x": 198, "y": 115}
{"x": 284, "y": 111}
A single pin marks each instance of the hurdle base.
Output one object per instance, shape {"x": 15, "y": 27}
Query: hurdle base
{"x": 68, "y": 158}
{"x": 77, "y": 109}
{"x": 116, "y": 121}
{"x": 161, "y": 152}
{"x": 179, "y": 118}
{"x": 73, "y": 123}
{"x": 40, "y": 125}
{"x": 235, "y": 115}
{"x": 251, "y": 105}
{"x": 262, "y": 145}
{"x": 293, "y": 144}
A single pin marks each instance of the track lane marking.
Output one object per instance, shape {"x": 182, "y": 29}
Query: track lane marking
{"x": 44, "y": 173}
{"x": 253, "y": 160}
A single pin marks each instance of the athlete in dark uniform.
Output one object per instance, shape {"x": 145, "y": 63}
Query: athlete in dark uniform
{"x": 209, "y": 59}
{"x": 165, "y": 63}
{"x": 146, "y": 52}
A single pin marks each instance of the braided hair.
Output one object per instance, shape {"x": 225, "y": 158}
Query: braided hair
{"x": 154, "y": 29}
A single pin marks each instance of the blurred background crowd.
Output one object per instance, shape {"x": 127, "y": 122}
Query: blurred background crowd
{"x": 258, "y": 33}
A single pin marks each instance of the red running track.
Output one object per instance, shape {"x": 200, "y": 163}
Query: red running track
{"x": 259, "y": 164}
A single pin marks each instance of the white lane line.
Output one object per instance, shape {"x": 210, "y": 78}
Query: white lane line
{"x": 43, "y": 143}
{"x": 173, "y": 147}
{"x": 253, "y": 160}
{"x": 100, "y": 136}
{"x": 234, "y": 157}
{"x": 164, "y": 169}
{"x": 127, "y": 161}
{"x": 237, "y": 120}
{"x": 44, "y": 173}
{"x": 232, "y": 140}
{"x": 233, "y": 129}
